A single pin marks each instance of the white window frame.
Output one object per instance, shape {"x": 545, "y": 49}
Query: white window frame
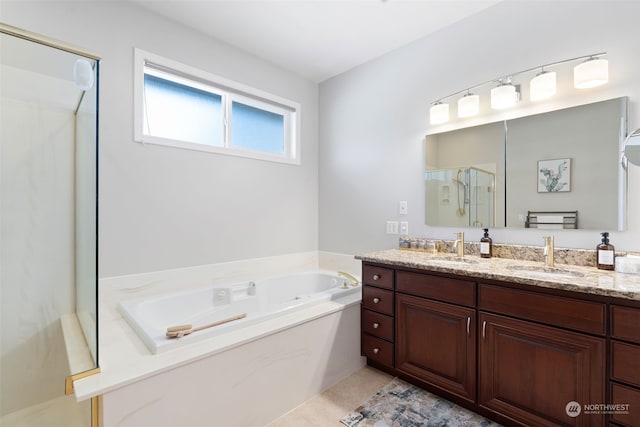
{"x": 229, "y": 91}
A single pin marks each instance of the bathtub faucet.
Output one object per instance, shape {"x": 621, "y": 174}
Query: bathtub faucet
{"x": 352, "y": 280}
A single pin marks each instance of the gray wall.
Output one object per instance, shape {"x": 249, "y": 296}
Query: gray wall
{"x": 374, "y": 118}
{"x": 161, "y": 207}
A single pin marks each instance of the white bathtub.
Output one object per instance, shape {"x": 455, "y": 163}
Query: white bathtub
{"x": 259, "y": 299}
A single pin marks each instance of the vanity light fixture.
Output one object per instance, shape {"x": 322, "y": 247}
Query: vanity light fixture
{"x": 439, "y": 113}
{"x": 543, "y": 85}
{"x": 468, "y": 105}
{"x": 505, "y": 95}
{"x": 591, "y": 73}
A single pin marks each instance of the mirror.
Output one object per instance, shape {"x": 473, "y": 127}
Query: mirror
{"x": 546, "y": 169}
{"x": 632, "y": 148}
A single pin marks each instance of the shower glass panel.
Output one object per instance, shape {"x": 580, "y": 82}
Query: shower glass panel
{"x": 460, "y": 197}
{"x": 48, "y": 218}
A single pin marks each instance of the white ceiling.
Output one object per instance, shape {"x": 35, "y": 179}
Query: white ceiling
{"x": 317, "y": 39}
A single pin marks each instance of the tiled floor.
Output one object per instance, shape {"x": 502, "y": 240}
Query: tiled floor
{"x": 328, "y": 408}
{"x": 62, "y": 411}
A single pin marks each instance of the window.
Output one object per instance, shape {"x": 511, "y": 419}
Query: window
{"x": 180, "y": 106}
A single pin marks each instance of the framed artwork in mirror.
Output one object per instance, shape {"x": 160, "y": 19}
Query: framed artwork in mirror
{"x": 554, "y": 176}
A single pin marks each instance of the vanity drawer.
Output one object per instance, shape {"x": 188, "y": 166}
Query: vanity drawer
{"x": 553, "y": 310}
{"x": 377, "y": 324}
{"x": 623, "y": 395}
{"x": 625, "y": 323}
{"x": 376, "y": 299}
{"x": 377, "y": 349}
{"x": 377, "y": 276}
{"x": 436, "y": 287}
{"x": 624, "y": 363}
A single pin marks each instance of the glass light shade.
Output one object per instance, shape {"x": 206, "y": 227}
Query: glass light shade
{"x": 439, "y": 113}
{"x": 591, "y": 73}
{"x": 543, "y": 85}
{"x": 503, "y": 96}
{"x": 468, "y": 105}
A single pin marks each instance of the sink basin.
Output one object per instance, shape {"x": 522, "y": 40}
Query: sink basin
{"x": 548, "y": 272}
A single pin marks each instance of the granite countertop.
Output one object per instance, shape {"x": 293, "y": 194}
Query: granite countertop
{"x": 587, "y": 280}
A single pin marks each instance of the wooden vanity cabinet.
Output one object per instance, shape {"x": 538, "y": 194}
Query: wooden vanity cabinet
{"x": 377, "y": 316}
{"x": 530, "y": 372}
{"x": 515, "y": 353}
{"x": 436, "y": 340}
{"x": 625, "y": 365}
{"x": 533, "y": 357}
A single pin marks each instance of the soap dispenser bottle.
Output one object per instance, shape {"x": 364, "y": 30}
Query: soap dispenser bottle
{"x": 606, "y": 254}
{"x": 486, "y": 245}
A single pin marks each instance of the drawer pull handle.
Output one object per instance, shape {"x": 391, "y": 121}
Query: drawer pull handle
{"x": 376, "y": 277}
{"x": 376, "y": 300}
{"x": 484, "y": 329}
{"x": 468, "y": 325}
{"x": 376, "y": 325}
{"x": 376, "y": 350}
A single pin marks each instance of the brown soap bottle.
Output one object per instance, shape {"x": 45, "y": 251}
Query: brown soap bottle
{"x": 486, "y": 245}
{"x": 606, "y": 254}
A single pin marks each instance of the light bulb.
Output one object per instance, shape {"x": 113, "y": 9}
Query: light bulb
{"x": 543, "y": 85}
{"x": 503, "y": 96}
{"x": 439, "y": 113}
{"x": 591, "y": 73}
{"x": 468, "y": 105}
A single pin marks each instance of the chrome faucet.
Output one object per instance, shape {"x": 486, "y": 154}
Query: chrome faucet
{"x": 458, "y": 245}
{"x": 352, "y": 280}
{"x": 548, "y": 251}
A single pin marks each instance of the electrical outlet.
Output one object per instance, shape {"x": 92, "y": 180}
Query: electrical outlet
{"x": 392, "y": 227}
{"x": 402, "y": 207}
{"x": 404, "y": 228}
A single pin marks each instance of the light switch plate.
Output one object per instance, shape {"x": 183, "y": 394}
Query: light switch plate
{"x": 392, "y": 227}
{"x": 402, "y": 207}
{"x": 404, "y": 228}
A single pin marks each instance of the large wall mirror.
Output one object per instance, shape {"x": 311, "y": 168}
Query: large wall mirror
{"x": 560, "y": 169}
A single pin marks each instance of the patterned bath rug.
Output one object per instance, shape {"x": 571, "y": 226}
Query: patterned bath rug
{"x": 400, "y": 404}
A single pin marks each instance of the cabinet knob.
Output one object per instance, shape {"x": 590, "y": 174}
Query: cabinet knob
{"x": 376, "y": 350}
{"x": 376, "y": 277}
{"x": 376, "y": 300}
{"x": 376, "y": 325}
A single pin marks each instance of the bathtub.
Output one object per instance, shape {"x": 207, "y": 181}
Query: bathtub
{"x": 259, "y": 299}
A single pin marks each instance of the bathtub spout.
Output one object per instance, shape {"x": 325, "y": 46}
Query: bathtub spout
{"x": 352, "y": 280}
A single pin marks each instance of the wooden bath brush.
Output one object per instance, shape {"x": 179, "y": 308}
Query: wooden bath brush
{"x": 182, "y": 330}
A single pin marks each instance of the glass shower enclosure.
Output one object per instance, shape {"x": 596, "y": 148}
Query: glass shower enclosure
{"x": 460, "y": 197}
{"x": 48, "y": 225}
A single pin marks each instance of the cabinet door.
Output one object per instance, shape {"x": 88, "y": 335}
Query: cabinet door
{"x": 530, "y": 372}
{"x": 435, "y": 343}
